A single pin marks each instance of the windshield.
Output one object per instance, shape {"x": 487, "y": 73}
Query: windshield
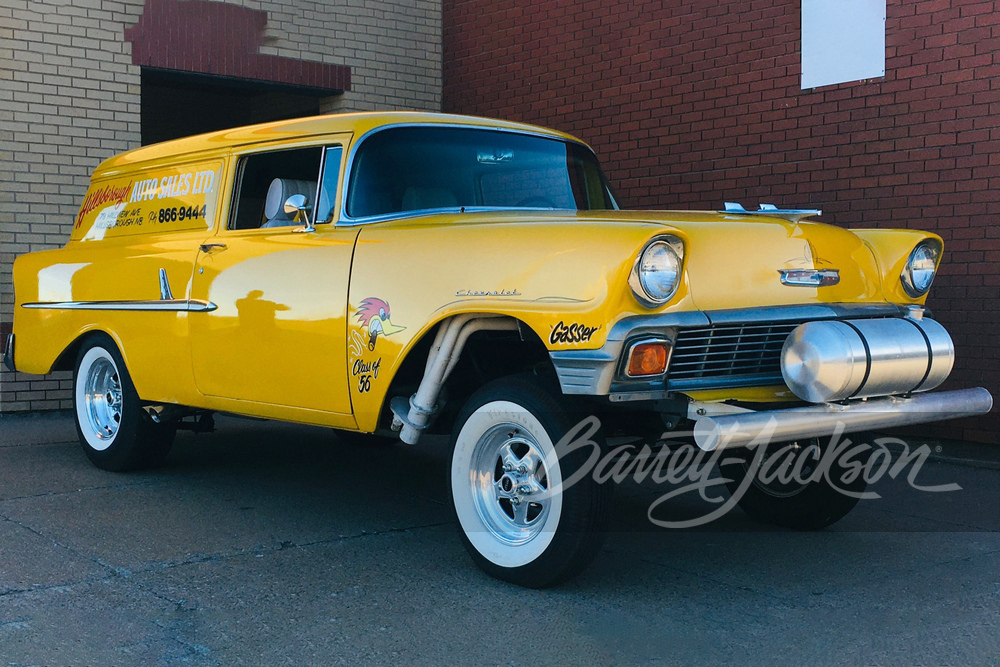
{"x": 419, "y": 168}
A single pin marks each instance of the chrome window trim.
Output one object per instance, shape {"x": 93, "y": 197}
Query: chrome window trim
{"x": 319, "y": 184}
{"x": 241, "y": 159}
{"x": 349, "y": 221}
{"x": 171, "y": 305}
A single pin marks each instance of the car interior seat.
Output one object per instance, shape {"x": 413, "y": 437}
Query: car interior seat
{"x": 279, "y": 192}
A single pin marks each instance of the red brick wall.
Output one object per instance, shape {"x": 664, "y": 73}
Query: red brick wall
{"x": 695, "y": 102}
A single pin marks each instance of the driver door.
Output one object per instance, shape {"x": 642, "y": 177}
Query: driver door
{"x": 277, "y": 335}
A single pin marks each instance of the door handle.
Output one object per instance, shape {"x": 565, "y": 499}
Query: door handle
{"x": 209, "y": 248}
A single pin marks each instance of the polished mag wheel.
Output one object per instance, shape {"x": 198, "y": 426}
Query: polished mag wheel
{"x": 102, "y": 398}
{"x": 510, "y": 482}
{"x": 114, "y": 431}
{"x": 517, "y": 519}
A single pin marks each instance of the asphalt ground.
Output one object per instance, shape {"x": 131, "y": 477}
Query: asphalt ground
{"x": 275, "y": 544}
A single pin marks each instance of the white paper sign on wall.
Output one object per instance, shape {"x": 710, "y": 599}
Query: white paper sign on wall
{"x": 842, "y": 40}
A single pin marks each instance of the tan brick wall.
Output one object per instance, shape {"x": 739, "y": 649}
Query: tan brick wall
{"x": 70, "y": 96}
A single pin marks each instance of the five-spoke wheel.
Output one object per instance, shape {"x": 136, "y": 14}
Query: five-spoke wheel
{"x": 518, "y": 520}
{"x": 510, "y": 484}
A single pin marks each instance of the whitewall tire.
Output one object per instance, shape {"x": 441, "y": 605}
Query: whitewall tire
{"x": 517, "y": 520}
{"x": 114, "y": 431}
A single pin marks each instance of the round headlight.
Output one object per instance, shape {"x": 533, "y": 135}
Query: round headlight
{"x": 657, "y": 273}
{"x": 921, "y": 265}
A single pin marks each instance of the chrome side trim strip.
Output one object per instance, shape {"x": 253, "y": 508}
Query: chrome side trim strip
{"x": 171, "y": 305}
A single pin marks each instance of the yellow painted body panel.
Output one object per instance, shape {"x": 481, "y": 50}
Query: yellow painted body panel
{"x": 155, "y": 345}
{"x": 313, "y": 327}
{"x": 155, "y": 200}
{"x": 891, "y": 248}
{"x": 278, "y": 334}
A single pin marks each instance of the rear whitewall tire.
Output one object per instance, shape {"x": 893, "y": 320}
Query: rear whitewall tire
{"x": 115, "y": 433}
{"x": 97, "y": 398}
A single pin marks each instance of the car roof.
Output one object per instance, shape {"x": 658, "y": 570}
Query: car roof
{"x": 355, "y": 123}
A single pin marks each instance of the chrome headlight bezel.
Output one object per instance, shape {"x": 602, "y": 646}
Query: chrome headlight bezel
{"x": 917, "y": 285}
{"x": 640, "y": 279}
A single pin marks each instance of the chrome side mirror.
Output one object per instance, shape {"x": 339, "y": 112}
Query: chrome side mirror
{"x": 299, "y": 206}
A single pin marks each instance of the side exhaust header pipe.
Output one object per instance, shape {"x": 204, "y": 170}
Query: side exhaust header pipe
{"x": 744, "y": 429}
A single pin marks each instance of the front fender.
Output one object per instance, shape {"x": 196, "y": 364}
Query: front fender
{"x": 891, "y": 248}
{"x": 568, "y": 283}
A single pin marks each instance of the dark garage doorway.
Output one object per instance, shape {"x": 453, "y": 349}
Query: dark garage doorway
{"x": 180, "y": 104}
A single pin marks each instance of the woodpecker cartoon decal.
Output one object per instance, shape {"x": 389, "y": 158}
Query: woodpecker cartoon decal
{"x": 374, "y": 316}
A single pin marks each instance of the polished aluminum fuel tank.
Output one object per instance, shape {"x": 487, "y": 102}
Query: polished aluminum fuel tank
{"x": 833, "y": 360}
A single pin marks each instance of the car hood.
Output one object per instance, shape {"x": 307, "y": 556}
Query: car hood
{"x": 731, "y": 260}
{"x": 736, "y": 261}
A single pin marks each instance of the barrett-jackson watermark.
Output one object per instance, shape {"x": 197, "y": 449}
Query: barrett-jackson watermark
{"x": 839, "y": 463}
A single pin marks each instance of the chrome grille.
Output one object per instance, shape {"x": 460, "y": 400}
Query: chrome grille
{"x": 725, "y": 356}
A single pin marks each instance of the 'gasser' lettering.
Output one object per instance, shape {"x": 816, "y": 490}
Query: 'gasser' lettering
{"x": 574, "y": 333}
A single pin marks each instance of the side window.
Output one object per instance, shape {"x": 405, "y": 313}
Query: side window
{"x": 267, "y": 180}
{"x": 328, "y": 184}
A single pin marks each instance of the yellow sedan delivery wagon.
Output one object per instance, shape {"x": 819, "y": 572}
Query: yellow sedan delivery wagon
{"x": 398, "y": 274}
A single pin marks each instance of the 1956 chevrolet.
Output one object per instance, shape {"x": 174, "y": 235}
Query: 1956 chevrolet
{"x": 395, "y": 274}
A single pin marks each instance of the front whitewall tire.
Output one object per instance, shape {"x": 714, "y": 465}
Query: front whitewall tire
{"x": 516, "y": 518}
{"x": 506, "y": 545}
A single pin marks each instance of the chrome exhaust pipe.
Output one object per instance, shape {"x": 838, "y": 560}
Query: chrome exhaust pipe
{"x": 751, "y": 428}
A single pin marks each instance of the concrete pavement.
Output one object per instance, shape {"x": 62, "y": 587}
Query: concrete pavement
{"x": 272, "y": 544}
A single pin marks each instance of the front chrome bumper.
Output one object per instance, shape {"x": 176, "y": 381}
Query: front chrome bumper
{"x": 752, "y": 428}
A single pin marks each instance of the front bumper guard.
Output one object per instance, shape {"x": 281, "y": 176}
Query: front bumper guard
{"x": 752, "y": 428}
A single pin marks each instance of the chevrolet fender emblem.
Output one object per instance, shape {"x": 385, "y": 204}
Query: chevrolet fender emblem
{"x": 809, "y": 277}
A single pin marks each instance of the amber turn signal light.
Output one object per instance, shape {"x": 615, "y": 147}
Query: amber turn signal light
{"x": 647, "y": 359}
